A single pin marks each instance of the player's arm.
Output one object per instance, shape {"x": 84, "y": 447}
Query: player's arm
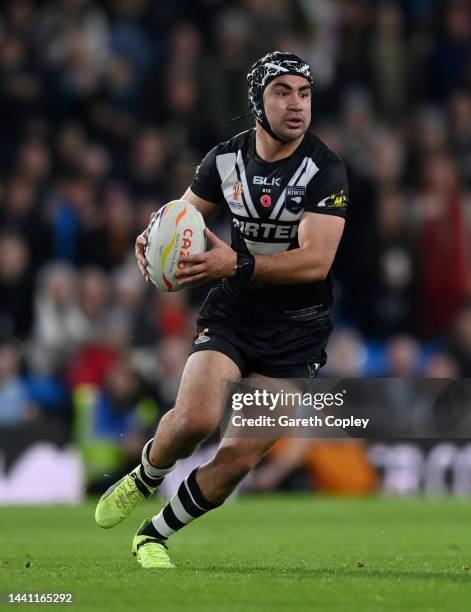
{"x": 318, "y": 236}
{"x": 319, "y": 232}
{"x": 206, "y": 208}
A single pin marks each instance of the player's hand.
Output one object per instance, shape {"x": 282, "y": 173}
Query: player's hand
{"x": 219, "y": 262}
{"x": 139, "y": 248}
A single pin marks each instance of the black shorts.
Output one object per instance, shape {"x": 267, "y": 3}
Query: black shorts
{"x": 278, "y": 349}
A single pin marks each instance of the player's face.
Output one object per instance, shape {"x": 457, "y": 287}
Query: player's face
{"x": 287, "y": 102}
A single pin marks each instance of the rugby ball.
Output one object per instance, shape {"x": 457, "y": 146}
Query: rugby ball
{"x": 176, "y": 230}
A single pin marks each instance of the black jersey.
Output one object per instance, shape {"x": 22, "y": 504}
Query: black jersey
{"x": 267, "y": 201}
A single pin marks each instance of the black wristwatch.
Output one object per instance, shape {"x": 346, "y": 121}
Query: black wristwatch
{"x": 245, "y": 265}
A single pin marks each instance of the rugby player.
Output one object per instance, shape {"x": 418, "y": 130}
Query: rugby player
{"x": 270, "y": 314}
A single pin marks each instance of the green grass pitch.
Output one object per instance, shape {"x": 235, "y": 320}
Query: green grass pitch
{"x": 290, "y": 553}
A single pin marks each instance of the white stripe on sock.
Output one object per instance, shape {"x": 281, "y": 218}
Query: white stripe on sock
{"x": 180, "y": 512}
{"x": 161, "y": 526}
{"x": 151, "y": 470}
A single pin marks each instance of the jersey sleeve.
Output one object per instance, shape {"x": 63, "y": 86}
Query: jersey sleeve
{"x": 327, "y": 192}
{"x": 206, "y": 181}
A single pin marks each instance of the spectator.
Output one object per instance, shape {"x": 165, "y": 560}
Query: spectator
{"x": 442, "y": 365}
{"x": 395, "y": 269}
{"x": 73, "y": 38}
{"x": 94, "y": 300}
{"x": 460, "y": 116}
{"x": 58, "y": 321}
{"x": 147, "y": 164}
{"x": 403, "y": 353}
{"x": 112, "y": 433}
{"x": 118, "y": 223}
{"x": 442, "y": 245}
{"x": 388, "y": 60}
{"x": 451, "y": 54}
{"x": 16, "y": 407}
{"x": 21, "y": 214}
{"x": 347, "y": 354}
{"x": 16, "y": 287}
{"x": 131, "y": 308}
{"x": 460, "y": 344}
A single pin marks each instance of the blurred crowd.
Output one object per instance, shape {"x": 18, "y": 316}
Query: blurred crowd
{"x": 106, "y": 109}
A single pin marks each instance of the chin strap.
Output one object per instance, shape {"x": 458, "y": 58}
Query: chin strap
{"x": 226, "y": 121}
{"x": 264, "y": 124}
{"x": 265, "y": 127}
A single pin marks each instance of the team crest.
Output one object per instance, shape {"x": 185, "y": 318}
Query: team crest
{"x": 295, "y": 195}
{"x": 237, "y": 191}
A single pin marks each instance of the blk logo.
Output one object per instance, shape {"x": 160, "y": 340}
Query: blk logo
{"x": 263, "y": 180}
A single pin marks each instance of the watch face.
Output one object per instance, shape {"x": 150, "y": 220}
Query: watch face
{"x": 243, "y": 260}
{"x": 245, "y": 265}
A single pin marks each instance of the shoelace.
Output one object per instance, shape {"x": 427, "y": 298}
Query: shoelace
{"x": 128, "y": 494}
{"x": 155, "y": 551}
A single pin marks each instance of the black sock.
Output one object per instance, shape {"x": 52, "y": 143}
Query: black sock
{"x": 148, "y": 480}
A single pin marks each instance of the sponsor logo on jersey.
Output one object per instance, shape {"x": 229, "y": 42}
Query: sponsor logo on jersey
{"x": 265, "y": 201}
{"x": 295, "y": 195}
{"x": 203, "y": 337}
{"x": 237, "y": 191}
{"x": 266, "y": 231}
{"x": 263, "y": 180}
{"x": 336, "y": 200}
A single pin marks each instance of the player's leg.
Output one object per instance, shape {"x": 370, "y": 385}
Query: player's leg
{"x": 208, "y": 486}
{"x": 196, "y": 414}
{"x": 236, "y": 457}
{"x": 294, "y": 352}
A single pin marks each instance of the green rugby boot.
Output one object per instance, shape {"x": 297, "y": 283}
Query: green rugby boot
{"x": 150, "y": 552}
{"x": 120, "y": 499}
